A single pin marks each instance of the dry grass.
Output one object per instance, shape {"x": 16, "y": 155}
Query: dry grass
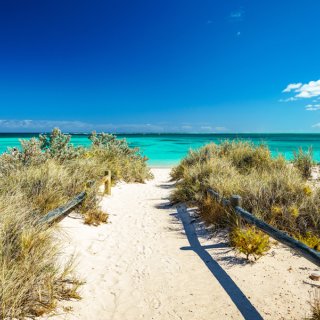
{"x": 315, "y": 306}
{"x": 270, "y": 188}
{"x": 32, "y": 280}
{"x": 43, "y": 175}
{"x": 303, "y": 161}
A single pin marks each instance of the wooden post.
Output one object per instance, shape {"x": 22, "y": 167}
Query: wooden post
{"x": 108, "y": 182}
{"x": 235, "y": 201}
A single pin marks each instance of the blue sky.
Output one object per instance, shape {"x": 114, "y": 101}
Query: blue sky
{"x": 155, "y": 66}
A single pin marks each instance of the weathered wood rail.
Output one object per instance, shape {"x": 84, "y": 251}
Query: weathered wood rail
{"x": 61, "y": 212}
{"x": 299, "y": 247}
{"x": 58, "y": 214}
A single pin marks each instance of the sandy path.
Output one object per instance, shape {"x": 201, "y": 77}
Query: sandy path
{"x": 141, "y": 266}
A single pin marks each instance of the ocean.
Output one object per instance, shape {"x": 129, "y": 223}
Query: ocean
{"x": 168, "y": 149}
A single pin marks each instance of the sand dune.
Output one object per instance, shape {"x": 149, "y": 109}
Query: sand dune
{"x": 153, "y": 261}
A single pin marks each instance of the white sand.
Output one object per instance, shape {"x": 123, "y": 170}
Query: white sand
{"x": 141, "y": 266}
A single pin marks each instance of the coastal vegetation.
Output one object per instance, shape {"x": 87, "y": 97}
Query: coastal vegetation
{"x": 271, "y": 188}
{"x": 41, "y": 175}
{"x": 315, "y": 306}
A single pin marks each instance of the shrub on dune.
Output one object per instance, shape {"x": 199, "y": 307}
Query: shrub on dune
{"x": 270, "y": 188}
{"x": 42, "y": 175}
{"x": 31, "y": 278}
{"x": 303, "y": 161}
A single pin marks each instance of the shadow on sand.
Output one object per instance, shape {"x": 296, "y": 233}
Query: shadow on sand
{"x": 246, "y": 308}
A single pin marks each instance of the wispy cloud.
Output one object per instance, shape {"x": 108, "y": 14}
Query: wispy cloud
{"x": 12, "y": 125}
{"x": 292, "y": 86}
{"x": 206, "y": 128}
{"x": 237, "y": 15}
{"x": 221, "y": 129}
{"x": 303, "y": 91}
{"x": 74, "y": 126}
{"x": 313, "y": 107}
{"x": 288, "y": 99}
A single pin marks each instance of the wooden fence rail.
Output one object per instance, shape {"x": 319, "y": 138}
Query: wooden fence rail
{"x": 58, "y": 214}
{"x": 297, "y": 246}
{"x": 61, "y": 212}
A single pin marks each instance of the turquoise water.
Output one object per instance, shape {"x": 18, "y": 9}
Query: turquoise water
{"x": 168, "y": 149}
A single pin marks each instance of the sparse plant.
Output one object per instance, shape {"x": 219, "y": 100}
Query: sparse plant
{"x": 249, "y": 241}
{"x": 95, "y": 217}
{"x": 310, "y": 240}
{"x": 303, "y": 161}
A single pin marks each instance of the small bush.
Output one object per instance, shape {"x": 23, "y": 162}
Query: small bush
{"x": 303, "y": 161}
{"x": 249, "y": 241}
{"x": 95, "y": 217}
{"x": 310, "y": 240}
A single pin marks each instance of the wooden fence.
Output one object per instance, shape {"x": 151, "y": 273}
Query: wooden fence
{"x": 58, "y": 214}
{"x": 299, "y": 247}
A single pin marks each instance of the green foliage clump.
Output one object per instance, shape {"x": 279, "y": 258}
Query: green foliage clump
{"x": 249, "y": 241}
{"x": 271, "y": 188}
{"x": 310, "y": 240}
{"x": 303, "y": 161}
{"x": 57, "y": 146}
{"x": 42, "y": 175}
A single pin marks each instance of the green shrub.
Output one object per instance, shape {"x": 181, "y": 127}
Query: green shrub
{"x": 303, "y": 161}
{"x": 270, "y": 188}
{"x": 310, "y": 240}
{"x": 249, "y": 241}
{"x": 42, "y": 175}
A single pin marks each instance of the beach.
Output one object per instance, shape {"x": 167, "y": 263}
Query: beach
{"x": 155, "y": 261}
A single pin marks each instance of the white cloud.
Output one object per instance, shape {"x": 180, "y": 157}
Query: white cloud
{"x": 304, "y": 91}
{"x": 288, "y": 100}
{"x": 220, "y": 128}
{"x": 206, "y": 128}
{"x": 73, "y": 126}
{"x": 14, "y": 125}
{"x": 237, "y": 15}
{"x": 292, "y": 86}
{"x": 313, "y": 107}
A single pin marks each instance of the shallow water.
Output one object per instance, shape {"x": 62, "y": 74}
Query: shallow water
{"x": 168, "y": 149}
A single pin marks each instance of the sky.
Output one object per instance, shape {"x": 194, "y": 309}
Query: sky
{"x": 160, "y": 66}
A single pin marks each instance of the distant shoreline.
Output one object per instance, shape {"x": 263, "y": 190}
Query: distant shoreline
{"x": 168, "y": 133}
{"x": 167, "y": 149}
